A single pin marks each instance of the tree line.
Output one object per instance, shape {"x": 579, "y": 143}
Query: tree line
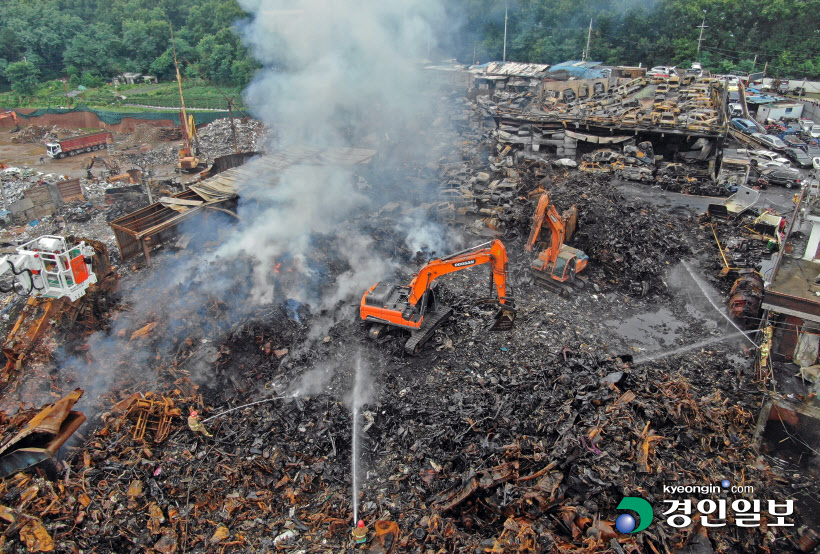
{"x": 89, "y": 41}
{"x": 739, "y": 36}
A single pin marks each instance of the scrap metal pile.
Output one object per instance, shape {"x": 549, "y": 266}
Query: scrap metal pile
{"x": 220, "y": 425}
{"x": 215, "y": 140}
{"x": 524, "y": 444}
{"x": 691, "y": 104}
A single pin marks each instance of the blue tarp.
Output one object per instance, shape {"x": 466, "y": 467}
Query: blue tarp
{"x": 579, "y": 69}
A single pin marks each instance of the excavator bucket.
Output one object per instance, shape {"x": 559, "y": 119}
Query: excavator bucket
{"x": 504, "y": 317}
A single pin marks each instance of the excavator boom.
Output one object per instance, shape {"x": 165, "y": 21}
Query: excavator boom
{"x": 557, "y": 265}
{"x": 496, "y": 255}
{"x": 12, "y": 114}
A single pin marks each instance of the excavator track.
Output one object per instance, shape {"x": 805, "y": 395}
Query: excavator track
{"x": 566, "y": 289}
{"x": 421, "y": 335}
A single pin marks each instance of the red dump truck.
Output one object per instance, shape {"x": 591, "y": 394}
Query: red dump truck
{"x": 76, "y": 145}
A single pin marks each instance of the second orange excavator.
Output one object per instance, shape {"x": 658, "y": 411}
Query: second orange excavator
{"x": 416, "y": 308}
{"x": 13, "y": 116}
{"x": 557, "y": 266}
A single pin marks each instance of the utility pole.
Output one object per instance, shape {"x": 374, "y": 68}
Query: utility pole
{"x": 754, "y": 63}
{"x": 504, "y": 57}
{"x": 589, "y": 38}
{"x": 702, "y": 26}
{"x": 65, "y": 87}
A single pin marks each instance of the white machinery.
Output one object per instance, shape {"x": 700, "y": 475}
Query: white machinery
{"x": 49, "y": 268}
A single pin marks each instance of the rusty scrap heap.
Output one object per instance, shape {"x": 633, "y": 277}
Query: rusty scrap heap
{"x": 217, "y": 424}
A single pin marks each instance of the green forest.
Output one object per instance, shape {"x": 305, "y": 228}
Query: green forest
{"x": 89, "y": 41}
{"x": 740, "y": 36}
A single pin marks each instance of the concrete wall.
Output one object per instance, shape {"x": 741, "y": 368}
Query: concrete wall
{"x": 809, "y": 86}
{"x": 811, "y": 109}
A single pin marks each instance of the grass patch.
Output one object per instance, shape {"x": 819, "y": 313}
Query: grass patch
{"x": 198, "y": 95}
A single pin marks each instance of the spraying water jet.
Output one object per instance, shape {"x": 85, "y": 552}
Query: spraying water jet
{"x": 687, "y": 348}
{"x": 356, "y": 403}
{"x": 702, "y": 286}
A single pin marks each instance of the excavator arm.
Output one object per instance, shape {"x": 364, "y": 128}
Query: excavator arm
{"x": 495, "y": 254}
{"x": 538, "y": 221}
{"x": 412, "y": 309}
{"x": 12, "y": 114}
{"x": 547, "y": 212}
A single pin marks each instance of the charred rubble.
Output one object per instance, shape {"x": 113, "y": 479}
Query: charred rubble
{"x": 518, "y": 442}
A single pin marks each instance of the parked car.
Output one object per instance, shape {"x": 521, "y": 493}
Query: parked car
{"x": 785, "y": 176}
{"x": 746, "y": 125}
{"x": 769, "y": 156}
{"x": 798, "y": 156}
{"x": 793, "y": 141}
{"x": 661, "y": 71}
{"x": 763, "y": 164}
{"x": 770, "y": 140}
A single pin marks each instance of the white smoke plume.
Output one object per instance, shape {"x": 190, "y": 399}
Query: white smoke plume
{"x": 336, "y": 75}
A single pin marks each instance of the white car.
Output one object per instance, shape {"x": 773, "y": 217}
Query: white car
{"x": 770, "y": 140}
{"x": 769, "y": 156}
{"x": 763, "y": 164}
{"x": 661, "y": 70}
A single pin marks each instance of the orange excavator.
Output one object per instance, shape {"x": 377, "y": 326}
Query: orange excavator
{"x": 13, "y": 115}
{"x": 416, "y": 308}
{"x": 558, "y": 265}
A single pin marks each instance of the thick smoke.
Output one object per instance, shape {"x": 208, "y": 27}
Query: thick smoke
{"x": 335, "y": 76}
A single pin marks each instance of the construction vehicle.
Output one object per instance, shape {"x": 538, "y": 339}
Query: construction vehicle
{"x": 76, "y": 145}
{"x": 188, "y": 154}
{"x": 66, "y": 284}
{"x": 111, "y": 166}
{"x": 13, "y": 115}
{"x": 416, "y": 308}
{"x": 558, "y": 265}
{"x": 188, "y": 159}
{"x": 47, "y": 267}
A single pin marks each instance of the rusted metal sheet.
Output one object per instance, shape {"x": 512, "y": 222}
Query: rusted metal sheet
{"x": 70, "y": 190}
{"x": 484, "y": 480}
{"x": 155, "y": 224}
{"x": 42, "y": 436}
{"x": 791, "y": 305}
{"x": 387, "y": 535}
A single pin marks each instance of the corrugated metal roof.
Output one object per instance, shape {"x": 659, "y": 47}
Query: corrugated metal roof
{"x": 516, "y": 69}
{"x": 231, "y": 181}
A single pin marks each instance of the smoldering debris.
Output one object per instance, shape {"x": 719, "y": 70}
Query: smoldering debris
{"x": 523, "y": 441}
